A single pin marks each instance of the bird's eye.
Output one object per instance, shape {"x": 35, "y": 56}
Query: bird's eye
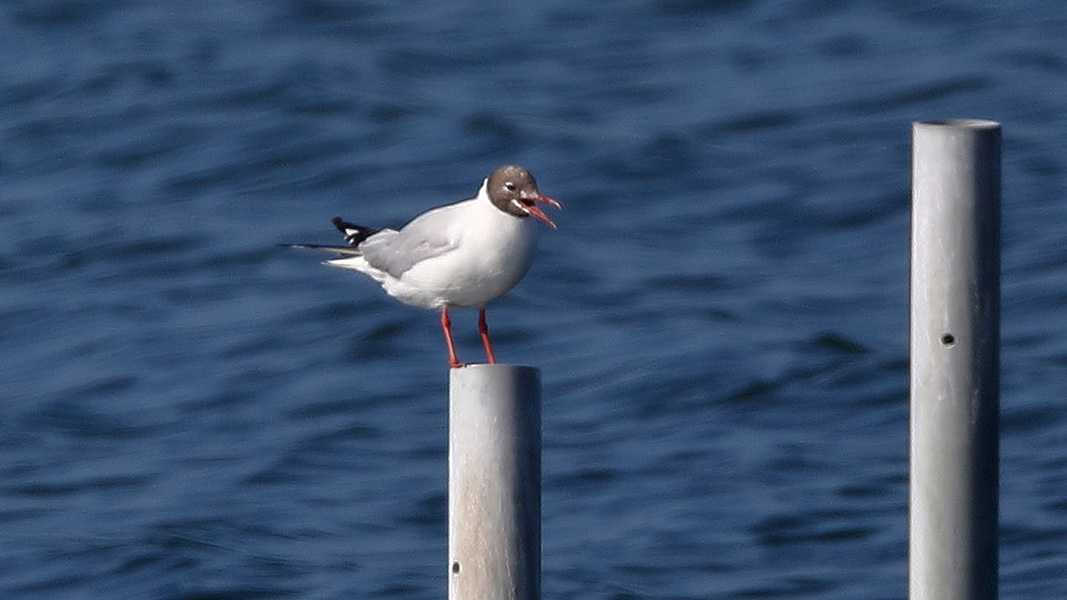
{"x": 510, "y": 186}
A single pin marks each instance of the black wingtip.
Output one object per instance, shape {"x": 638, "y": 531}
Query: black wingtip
{"x": 354, "y": 234}
{"x": 342, "y": 251}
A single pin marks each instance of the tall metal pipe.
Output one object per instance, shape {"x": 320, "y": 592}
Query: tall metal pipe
{"x": 955, "y": 360}
{"x": 494, "y": 483}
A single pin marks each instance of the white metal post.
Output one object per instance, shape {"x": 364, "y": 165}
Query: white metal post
{"x": 955, "y": 360}
{"x": 494, "y": 483}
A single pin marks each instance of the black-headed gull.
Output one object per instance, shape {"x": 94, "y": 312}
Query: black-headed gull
{"x": 462, "y": 254}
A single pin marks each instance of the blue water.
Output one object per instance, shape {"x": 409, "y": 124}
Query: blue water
{"x": 190, "y": 411}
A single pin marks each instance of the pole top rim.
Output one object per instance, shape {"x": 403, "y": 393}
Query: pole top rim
{"x": 478, "y": 370}
{"x": 969, "y": 124}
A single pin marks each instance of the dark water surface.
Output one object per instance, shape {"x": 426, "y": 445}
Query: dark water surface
{"x": 189, "y": 411}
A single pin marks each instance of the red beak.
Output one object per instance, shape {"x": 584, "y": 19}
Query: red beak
{"x": 537, "y": 213}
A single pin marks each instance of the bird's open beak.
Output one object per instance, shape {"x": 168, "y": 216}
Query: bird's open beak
{"x": 530, "y": 204}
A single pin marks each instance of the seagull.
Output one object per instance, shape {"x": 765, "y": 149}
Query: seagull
{"x": 458, "y": 255}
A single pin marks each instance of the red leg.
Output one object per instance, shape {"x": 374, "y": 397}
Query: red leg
{"x": 446, "y": 325}
{"x": 483, "y": 328}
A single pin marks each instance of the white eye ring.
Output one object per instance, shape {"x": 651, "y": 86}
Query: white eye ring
{"x": 510, "y": 186}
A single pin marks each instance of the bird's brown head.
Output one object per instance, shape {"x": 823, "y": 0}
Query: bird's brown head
{"x": 513, "y": 190}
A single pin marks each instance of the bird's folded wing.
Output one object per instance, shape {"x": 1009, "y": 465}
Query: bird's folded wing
{"x": 397, "y": 251}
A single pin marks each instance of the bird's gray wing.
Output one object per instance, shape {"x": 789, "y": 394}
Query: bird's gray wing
{"x": 428, "y": 236}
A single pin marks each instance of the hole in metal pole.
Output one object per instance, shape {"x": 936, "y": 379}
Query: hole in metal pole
{"x": 455, "y": 567}
{"x": 947, "y": 340}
